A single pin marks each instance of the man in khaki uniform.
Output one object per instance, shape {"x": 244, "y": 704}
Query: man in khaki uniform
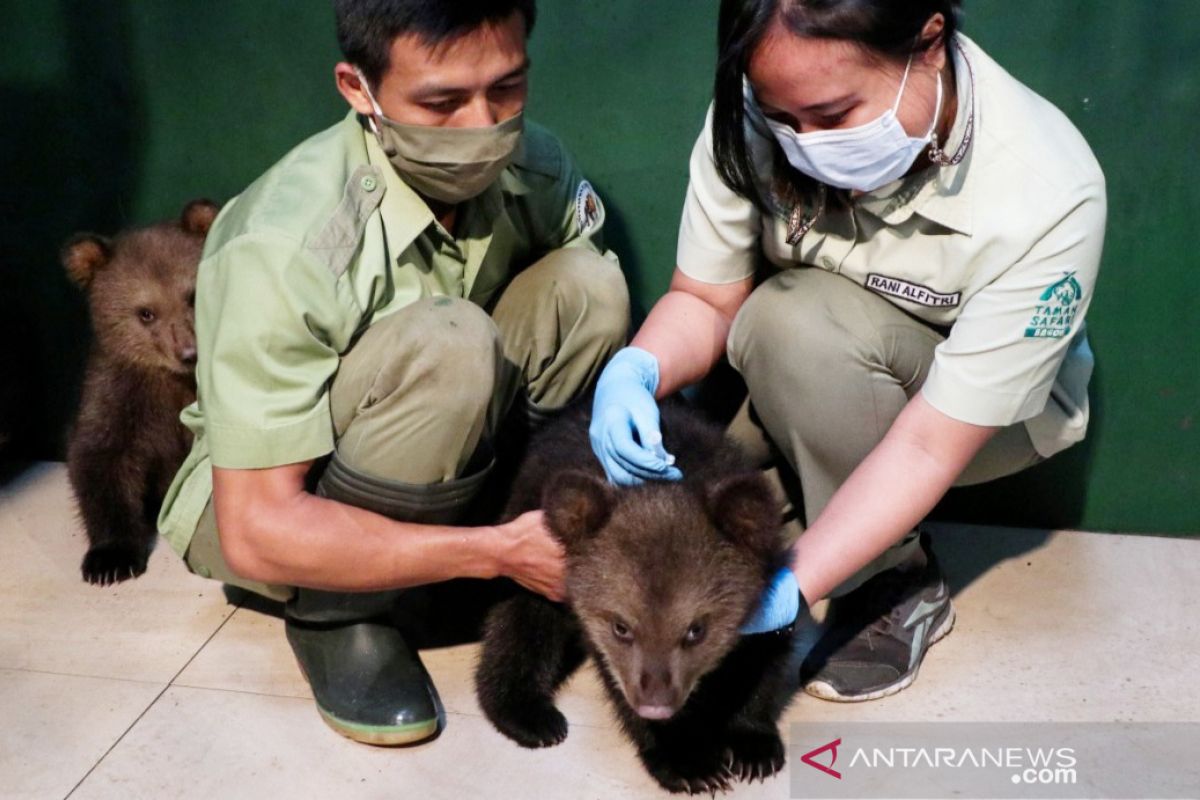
{"x": 371, "y": 314}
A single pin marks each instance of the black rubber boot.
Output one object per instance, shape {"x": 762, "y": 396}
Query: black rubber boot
{"x": 368, "y": 683}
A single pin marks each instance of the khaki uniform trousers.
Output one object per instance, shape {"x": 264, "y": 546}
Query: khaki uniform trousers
{"x": 829, "y": 366}
{"x": 418, "y": 401}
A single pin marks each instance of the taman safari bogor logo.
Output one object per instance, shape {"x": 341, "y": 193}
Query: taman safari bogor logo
{"x": 1054, "y": 315}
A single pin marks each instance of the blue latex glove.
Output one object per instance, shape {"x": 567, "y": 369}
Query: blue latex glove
{"x": 625, "y": 431}
{"x": 779, "y": 606}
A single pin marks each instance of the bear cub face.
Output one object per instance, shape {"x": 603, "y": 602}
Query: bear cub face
{"x": 141, "y": 289}
{"x": 659, "y": 630}
{"x": 659, "y": 579}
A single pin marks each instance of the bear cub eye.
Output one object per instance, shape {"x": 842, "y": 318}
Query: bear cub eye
{"x": 622, "y": 632}
{"x": 694, "y": 635}
{"x": 146, "y": 315}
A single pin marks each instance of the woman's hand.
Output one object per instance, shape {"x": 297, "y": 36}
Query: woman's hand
{"x": 625, "y": 429}
{"x": 532, "y": 557}
{"x": 779, "y": 605}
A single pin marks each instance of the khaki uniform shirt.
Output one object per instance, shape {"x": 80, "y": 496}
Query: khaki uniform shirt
{"x": 1002, "y": 248}
{"x": 328, "y": 241}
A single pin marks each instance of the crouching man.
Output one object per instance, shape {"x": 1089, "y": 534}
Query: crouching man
{"x": 370, "y": 314}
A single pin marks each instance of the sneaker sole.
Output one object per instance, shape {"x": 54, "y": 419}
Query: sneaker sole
{"x": 381, "y": 736}
{"x": 825, "y": 691}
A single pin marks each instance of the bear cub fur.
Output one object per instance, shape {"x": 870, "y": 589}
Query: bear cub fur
{"x": 659, "y": 578}
{"x": 127, "y": 442}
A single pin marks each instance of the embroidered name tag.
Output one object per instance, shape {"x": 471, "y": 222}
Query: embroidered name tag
{"x": 912, "y": 292}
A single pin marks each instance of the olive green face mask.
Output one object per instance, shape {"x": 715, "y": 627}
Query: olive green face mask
{"x": 447, "y": 164}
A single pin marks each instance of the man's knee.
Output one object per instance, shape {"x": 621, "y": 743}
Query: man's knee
{"x": 582, "y": 283}
{"x": 445, "y": 345}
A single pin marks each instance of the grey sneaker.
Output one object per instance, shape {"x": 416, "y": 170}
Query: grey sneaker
{"x": 880, "y": 633}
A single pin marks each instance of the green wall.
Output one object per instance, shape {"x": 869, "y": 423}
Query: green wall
{"x": 117, "y": 113}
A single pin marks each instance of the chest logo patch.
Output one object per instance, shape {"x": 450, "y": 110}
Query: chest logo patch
{"x": 1054, "y": 315}
{"x": 589, "y": 211}
{"x": 912, "y": 292}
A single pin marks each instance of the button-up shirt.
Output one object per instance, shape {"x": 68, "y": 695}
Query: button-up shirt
{"x": 325, "y": 243}
{"x": 1002, "y": 248}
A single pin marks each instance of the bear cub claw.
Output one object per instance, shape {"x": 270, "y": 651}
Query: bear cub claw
{"x": 703, "y": 772}
{"x": 755, "y": 755}
{"x": 106, "y": 564}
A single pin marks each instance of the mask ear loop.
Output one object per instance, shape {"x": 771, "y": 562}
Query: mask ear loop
{"x": 937, "y": 112}
{"x": 903, "y": 83}
{"x": 374, "y": 105}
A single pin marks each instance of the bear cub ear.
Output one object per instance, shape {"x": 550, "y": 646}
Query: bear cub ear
{"x": 747, "y": 512}
{"x": 83, "y": 255}
{"x": 576, "y": 505}
{"x": 198, "y": 216}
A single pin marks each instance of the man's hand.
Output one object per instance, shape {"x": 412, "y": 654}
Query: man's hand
{"x": 532, "y": 557}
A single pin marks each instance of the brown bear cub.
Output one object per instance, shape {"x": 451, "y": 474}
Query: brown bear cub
{"x": 659, "y": 578}
{"x": 127, "y": 441}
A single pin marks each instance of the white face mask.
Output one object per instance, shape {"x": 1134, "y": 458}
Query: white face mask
{"x": 863, "y": 158}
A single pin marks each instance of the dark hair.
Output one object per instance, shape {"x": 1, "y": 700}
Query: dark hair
{"x": 889, "y": 28}
{"x": 367, "y": 28}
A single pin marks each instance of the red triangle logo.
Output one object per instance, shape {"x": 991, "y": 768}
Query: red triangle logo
{"x": 808, "y": 757}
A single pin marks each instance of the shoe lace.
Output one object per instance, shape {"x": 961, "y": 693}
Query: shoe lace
{"x": 883, "y": 606}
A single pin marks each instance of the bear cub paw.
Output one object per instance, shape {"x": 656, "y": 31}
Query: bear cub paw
{"x": 697, "y": 772}
{"x": 532, "y": 723}
{"x": 111, "y": 563}
{"x": 755, "y": 755}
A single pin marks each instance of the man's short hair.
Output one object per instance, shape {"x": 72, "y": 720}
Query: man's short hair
{"x": 367, "y": 28}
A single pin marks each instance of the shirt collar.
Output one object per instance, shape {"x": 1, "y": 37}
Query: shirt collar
{"x": 405, "y": 215}
{"x": 943, "y": 194}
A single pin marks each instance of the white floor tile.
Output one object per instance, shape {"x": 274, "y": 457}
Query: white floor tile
{"x": 50, "y": 620}
{"x": 1058, "y": 627}
{"x": 57, "y": 727}
{"x": 251, "y": 654}
{"x": 1051, "y": 626}
{"x": 208, "y": 744}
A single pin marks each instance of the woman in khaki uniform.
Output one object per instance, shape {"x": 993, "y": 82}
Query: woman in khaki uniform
{"x": 934, "y": 230}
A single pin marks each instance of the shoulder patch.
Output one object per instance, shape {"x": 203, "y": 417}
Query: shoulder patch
{"x": 589, "y": 211}
{"x": 1056, "y": 309}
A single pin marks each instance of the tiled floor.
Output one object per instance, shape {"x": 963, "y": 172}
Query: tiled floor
{"x": 160, "y": 689}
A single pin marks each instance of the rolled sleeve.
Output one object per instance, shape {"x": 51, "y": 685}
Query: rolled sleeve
{"x": 719, "y": 232}
{"x": 1005, "y": 350}
{"x": 265, "y": 323}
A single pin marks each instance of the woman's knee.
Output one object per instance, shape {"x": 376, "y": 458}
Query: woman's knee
{"x": 800, "y": 314}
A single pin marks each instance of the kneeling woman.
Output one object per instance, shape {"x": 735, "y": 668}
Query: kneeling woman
{"x": 935, "y": 229}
